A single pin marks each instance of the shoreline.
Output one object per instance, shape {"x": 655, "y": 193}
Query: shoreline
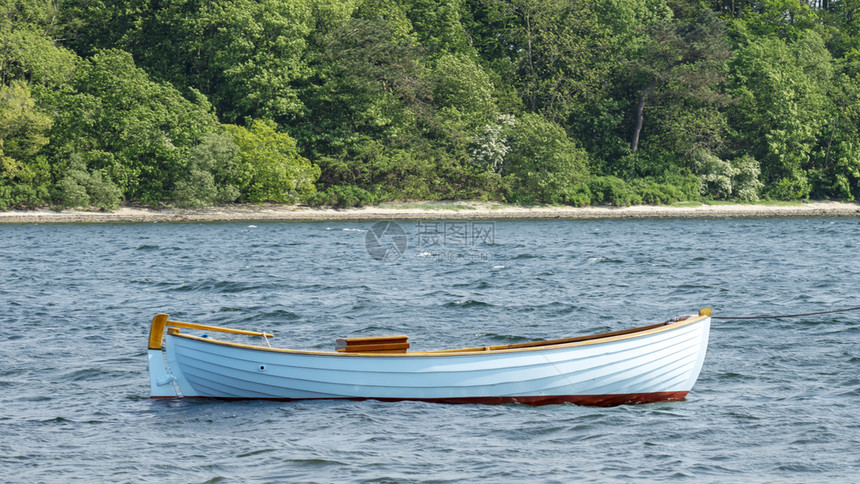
{"x": 426, "y": 211}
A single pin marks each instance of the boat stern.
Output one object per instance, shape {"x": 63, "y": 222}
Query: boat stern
{"x": 161, "y": 380}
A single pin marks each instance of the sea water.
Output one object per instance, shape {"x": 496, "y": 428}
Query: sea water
{"x": 777, "y": 399}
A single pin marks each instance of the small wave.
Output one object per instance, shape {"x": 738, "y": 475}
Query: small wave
{"x": 502, "y": 338}
{"x": 225, "y": 309}
{"x": 315, "y": 462}
{"x": 268, "y": 317}
{"x": 849, "y": 393}
{"x": 280, "y": 314}
{"x": 58, "y": 420}
{"x": 466, "y": 303}
{"x": 692, "y": 286}
{"x": 562, "y": 309}
{"x": 605, "y": 259}
{"x": 148, "y": 247}
{"x": 223, "y": 287}
{"x": 375, "y": 330}
{"x": 255, "y": 452}
{"x": 473, "y": 285}
{"x": 86, "y": 374}
{"x": 733, "y": 376}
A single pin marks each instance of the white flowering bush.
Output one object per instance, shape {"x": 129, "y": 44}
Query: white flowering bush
{"x": 721, "y": 179}
{"x": 745, "y": 181}
{"x": 489, "y": 149}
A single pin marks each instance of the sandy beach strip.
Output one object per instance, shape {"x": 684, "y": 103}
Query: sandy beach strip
{"x": 426, "y": 211}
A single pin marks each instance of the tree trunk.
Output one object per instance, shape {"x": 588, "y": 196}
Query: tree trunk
{"x": 634, "y": 141}
{"x": 532, "y": 75}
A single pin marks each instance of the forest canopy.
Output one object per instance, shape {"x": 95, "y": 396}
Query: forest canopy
{"x": 349, "y": 102}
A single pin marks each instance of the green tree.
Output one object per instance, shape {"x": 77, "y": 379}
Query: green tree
{"x": 210, "y": 173}
{"x": 24, "y": 174}
{"x": 556, "y": 50}
{"x": 544, "y": 165}
{"x": 437, "y": 25}
{"x": 246, "y": 55}
{"x": 834, "y": 168}
{"x": 782, "y": 108}
{"x": 135, "y": 131}
{"x": 269, "y": 169}
{"x": 680, "y": 59}
{"x": 462, "y": 91}
{"x": 370, "y": 100}
{"x": 786, "y": 19}
{"x": 28, "y": 50}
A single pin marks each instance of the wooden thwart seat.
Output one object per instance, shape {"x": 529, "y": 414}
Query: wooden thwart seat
{"x": 373, "y": 344}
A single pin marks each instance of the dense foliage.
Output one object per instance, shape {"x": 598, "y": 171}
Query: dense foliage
{"x": 350, "y": 102}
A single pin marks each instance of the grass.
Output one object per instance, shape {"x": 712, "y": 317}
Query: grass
{"x": 427, "y": 205}
{"x": 767, "y": 203}
{"x": 469, "y": 205}
{"x": 686, "y": 204}
{"x": 770, "y": 203}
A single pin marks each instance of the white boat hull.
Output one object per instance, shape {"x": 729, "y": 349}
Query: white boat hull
{"x": 656, "y": 365}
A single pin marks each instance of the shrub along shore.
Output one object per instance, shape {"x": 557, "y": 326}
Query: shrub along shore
{"x": 429, "y": 211}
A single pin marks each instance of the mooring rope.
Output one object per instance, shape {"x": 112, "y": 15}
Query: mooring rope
{"x": 788, "y": 315}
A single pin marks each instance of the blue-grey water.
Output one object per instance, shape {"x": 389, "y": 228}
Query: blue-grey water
{"x": 777, "y": 399}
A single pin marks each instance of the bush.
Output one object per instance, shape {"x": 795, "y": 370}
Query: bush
{"x": 489, "y": 149}
{"x": 270, "y": 168}
{"x": 716, "y": 175}
{"x": 544, "y": 165}
{"x": 657, "y": 193}
{"x": 342, "y": 196}
{"x": 578, "y": 196}
{"x": 796, "y": 187}
{"x": 613, "y": 191}
{"x": 209, "y": 170}
{"x": 746, "y": 178}
{"x": 724, "y": 180}
{"x": 84, "y": 188}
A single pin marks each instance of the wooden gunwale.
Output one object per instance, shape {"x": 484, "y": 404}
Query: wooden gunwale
{"x": 511, "y": 348}
{"x": 160, "y": 321}
{"x": 204, "y": 327}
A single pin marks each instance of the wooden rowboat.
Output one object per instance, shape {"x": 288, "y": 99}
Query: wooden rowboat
{"x": 658, "y": 362}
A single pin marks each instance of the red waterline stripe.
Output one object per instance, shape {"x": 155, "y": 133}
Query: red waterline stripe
{"x": 585, "y": 400}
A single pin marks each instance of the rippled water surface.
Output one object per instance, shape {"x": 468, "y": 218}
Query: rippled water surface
{"x": 777, "y": 399}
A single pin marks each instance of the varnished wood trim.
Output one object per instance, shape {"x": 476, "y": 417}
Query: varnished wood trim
{"x": 156, "y": 331}
{"x": 367, "y": 339}
{"x": 373, "y": 344}
{"x": 204, "y": 327}
{"x": 368, "y": 348}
